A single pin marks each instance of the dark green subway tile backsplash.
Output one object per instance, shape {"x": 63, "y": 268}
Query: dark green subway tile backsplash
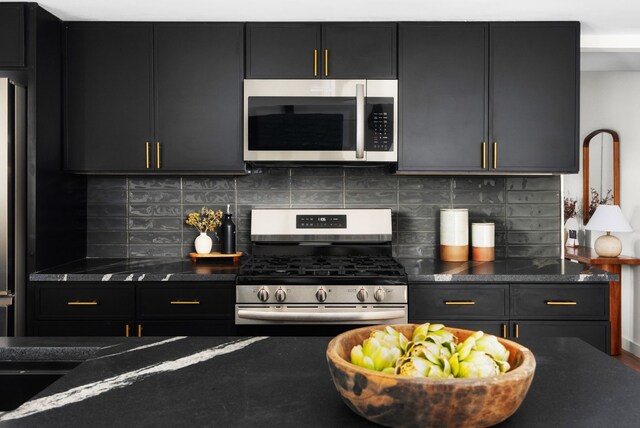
{"x": 144, "y": 216}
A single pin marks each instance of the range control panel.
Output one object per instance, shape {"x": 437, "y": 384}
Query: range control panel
{"x": 315, "y": 221}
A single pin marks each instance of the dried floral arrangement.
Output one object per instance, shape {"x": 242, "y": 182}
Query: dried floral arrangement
{"x": 205, "y": 220}
{"x": 597, "y": 200}
{"x": 569, "y": 208}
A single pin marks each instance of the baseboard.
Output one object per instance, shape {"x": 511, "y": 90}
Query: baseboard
{"x": 631, "y": 346}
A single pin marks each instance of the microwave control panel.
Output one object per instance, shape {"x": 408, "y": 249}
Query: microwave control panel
{"x": 379, "y": 124}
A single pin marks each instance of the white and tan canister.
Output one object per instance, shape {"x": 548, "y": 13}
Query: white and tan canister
{"x": 454, "y": 235}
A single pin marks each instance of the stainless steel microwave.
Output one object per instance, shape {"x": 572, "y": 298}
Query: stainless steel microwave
{"x": 320, "y": 120}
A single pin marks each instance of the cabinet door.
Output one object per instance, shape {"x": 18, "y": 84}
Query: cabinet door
{"x": 443, "y": 97}
{"x": 595, "y": 333}
{"x": 84, "y": 328}
{"x": 534, "y": 96}
{"x": 283, "y": 50}
{"x": 198, "y": 75}
{"x": 108, "y": 96}
{"x": 359, "y": 50}
{"x": 458, "y": 301}
{"x": 12, "y": 35}
{"x": 186, "y": 301}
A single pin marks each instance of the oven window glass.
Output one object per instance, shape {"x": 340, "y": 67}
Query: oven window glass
{"x": 302, "y": 123}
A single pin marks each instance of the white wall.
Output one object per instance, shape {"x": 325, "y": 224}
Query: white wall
{"x": 611, "y": 99}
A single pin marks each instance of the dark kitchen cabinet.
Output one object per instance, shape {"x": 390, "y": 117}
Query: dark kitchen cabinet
{"x": 534, "y": 82}
{"x": 108, "y": 85}
{"x": 133, "y": 309}
{"x": 83, "y": 309}
{"x": 517, "y": 310}
{"x": 199, "y": 71}
{"x": 12, "y": 35}
{"x": 494, "y": 98}
{"x": 154, "y": 98}
{"x": 443, "y": 97}
{"x": 314, "y": 50}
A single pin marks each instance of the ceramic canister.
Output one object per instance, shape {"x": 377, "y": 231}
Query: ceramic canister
{"x": 454, "y": 235}
{"x": 483, "y": 242}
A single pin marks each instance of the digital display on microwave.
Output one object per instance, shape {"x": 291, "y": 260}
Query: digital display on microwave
{"x": 301, "y": 123}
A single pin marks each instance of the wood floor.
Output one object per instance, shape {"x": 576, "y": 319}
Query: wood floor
{"x": 629, "y": 360}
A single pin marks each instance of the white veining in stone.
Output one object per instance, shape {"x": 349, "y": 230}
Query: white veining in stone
{"x": 166, "y": 278}
{"x": 107, "y": 277}
{"x": 442, "y": 278}
{"x": 129, "y": 277}
{"x": 94, "y": 389}
{"x": 141, "y": 277}
{"x": 64, "y": 278}
{"x": 583, "y": 277}
{"x": 138, "y": 348}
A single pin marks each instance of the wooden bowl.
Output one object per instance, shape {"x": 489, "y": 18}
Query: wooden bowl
{"x": 399, "y": 401}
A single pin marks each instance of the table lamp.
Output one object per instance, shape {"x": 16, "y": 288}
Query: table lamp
{"x": 608, "y": 218}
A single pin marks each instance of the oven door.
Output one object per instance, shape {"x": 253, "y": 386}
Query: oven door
{"x": 321, "y": 314}
{"x": 319, "y": 120}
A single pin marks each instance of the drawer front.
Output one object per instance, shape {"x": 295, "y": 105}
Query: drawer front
{"x": 85, "y": 302}
{"x": 595, "y": 333}
{"x": 460, "y": 301}
{"x": 210, "y": 301}
{"x": 85, "y": 328}
{"x": 560, "y": 301}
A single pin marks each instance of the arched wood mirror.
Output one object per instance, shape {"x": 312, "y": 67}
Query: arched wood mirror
{"x": 601, "y": 170}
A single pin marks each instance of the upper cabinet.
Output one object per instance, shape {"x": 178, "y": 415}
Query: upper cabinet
{"x": 313, "y": 51}
{"x": 12, "y": 35}
{"x": 152, "y": 98}
{"x": 494, "y": 98}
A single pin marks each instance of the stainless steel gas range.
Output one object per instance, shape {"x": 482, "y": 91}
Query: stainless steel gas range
{"x": 321, "y": 266}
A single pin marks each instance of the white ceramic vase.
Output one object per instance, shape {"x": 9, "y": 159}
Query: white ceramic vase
{"x": 203, "y": 243}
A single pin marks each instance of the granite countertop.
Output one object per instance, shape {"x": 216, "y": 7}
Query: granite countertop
{"x": 533, "y": 270}
{"x": 418, "y": 270}
{"x": 285, "y": 381}
{"x": 149, "y": 269}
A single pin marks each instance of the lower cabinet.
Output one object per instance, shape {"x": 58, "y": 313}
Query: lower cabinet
{"x": 132, "y": 309}
{"x": 517, "y": 311}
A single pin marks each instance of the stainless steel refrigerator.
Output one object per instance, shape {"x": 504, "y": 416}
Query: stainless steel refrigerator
{"x": 13, "y": 165}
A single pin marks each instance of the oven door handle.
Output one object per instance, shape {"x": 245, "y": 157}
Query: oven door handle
{"x": 360, "y": 117}
{"x": 321, "y": 316}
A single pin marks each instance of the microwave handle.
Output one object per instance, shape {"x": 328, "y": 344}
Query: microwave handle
{"x": 360, "y": 114}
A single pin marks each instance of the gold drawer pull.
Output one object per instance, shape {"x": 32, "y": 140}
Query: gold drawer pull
{"x": 127, "y": 330}
{"x": 495, "y": 155}
{"x": 459, "y": 302}
{"x": 484, "y": 155}
{"x": 561, "y": 303}
{"x": 517, "y": 331}
{"x": 139, "y": 330}
{"x": 326, "y": 62}
{"x": 148, "y": 155}
{"x": 185, "y": 302}
{"x": 158, "y": 155}
{"x": 504, "y": 331}
{"x": 78, "y": 303}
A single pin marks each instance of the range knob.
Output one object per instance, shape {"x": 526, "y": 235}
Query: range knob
{"x": 379, "y": 294}
{"x": 321, "y": 294}
{"x": 362, "y": 294}
{"x": 281, "y": 295}
{"x": 263, "y": 294}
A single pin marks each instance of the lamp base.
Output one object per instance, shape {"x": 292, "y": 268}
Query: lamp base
{"x": 608, "y": 246}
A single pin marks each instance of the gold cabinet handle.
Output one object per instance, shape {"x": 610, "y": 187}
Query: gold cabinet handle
{"x": 516, "y": 330}
{"x": 315, "y": 63}
{"x": 127, "y": 330}
{"x": 326, "y": 62}
{"x": 459, "y": 302}
{"x": 158, "y": 155}
{"x": 79, "y": 303}
{"x": 561, "y": 303}
{"x": 185, "y": 302}
{"x": 484, "y": 155}
{"x": 504, "y": 331}
{"x": 139, "y": 330}
{"x": 495, "y": 155}
{"x": 148, "y": 152}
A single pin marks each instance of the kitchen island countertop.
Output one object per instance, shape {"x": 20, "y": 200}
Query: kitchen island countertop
{"x": 418, "y": 270}
{"x": 285, "y": 381}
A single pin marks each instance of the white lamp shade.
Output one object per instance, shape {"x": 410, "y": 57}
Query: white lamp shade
{"x": 608, "y": 218}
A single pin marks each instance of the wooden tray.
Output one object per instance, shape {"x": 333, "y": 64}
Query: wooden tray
{"x": 234, "y": 256}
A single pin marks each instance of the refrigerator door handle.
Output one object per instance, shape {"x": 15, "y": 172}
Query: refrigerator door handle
{"x": 6, "y": 299}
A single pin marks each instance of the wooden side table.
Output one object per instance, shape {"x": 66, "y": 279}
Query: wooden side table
{"x": 612, "y": 265}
